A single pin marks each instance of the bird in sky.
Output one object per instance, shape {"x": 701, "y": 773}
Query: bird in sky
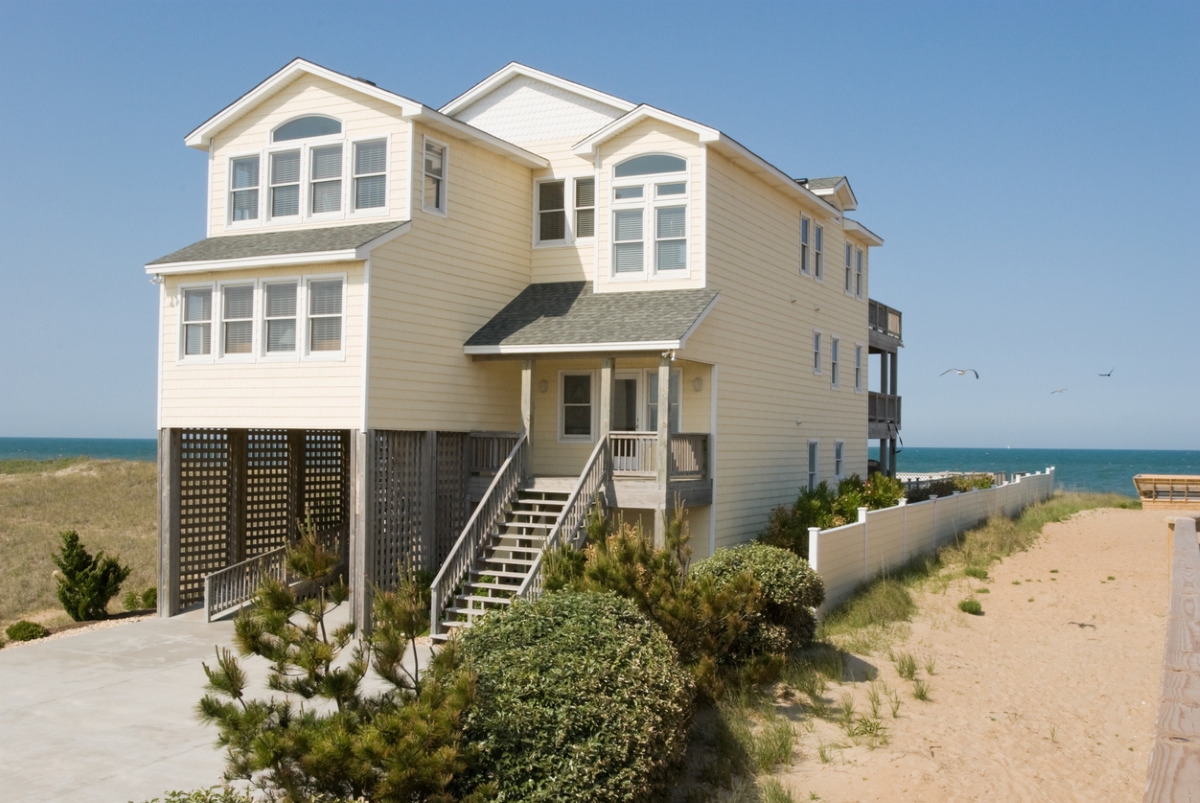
{"x": 960, "y": 371}
{"x": 1060, "y": 390}
{"x": 1110, "y": 370}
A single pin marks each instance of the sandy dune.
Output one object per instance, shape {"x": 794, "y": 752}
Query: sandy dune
{"x": 1044, "y": 700}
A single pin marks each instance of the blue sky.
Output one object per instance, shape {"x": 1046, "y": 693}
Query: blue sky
{"x": 1032, "y": 167}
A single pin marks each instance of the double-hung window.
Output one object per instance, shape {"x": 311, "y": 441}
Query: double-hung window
{"x": 804, "y": 245}
{"x": 818, "y": 268}
{"x": 279, "y": 317}
{"x": 585, "y": 207}
{"x": 576, "y": 414}
{"x": 434, "y": 188}
{"x": 237, "y": 319}
{"x": 838, "y": 447}
{"x": 561, "y": 204}
{"x": 285, "y": 183}
{"x": 858, "y": 368}
{"x": 650, "y": 216}
{"x": 243, "y": 183}
{"x": 816, "y": 352}
{"x": 834, "y": 343}
{"x": 849, "y": 266}
{"x": 673, "y": 396}
{"x": 197, "y": 322}
{"x": 552, "y": 211}
{"x": 326, "y": 179}
{"x": 812, "y": 465}
{"x": 858, "y": 273}
{"x": 325, "y": 315}
{"x": 370, "y": 174}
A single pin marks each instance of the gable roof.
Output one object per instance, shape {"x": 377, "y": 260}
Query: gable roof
{"x": 295, "y": 246}
{"x": 515, "y": 69}
{"x": 201, "y": 136}
{"x": 833, "y": 186}
{"x": 569, "y": 316}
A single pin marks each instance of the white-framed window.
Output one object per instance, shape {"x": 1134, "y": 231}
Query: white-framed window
{"x": 813, "y": 454}
{"x": 552, "y": 211}
{"x": 804, "y": 224}
{"x": 433, "y": 188}
{"x": 325, "y": 315}
{"x": 576, "y": 417}
{"x": 673, "y": 397}
{"x": 650, "y": 214}
{"x": 585, "y": 207}
{"x": 325, "y": 193}
{"x": 370, "y": 174}
{"x": 858, "y": 368}
{"x": 243, "y": 184}
{"x": 285, "y": 184}
{"x": 237, "y": 321}
{"x": 816, "y": 352}
{"x": 279, "y": 318}
{"x": 858, "y": 273}
{"x": 834, "y": 345}
{"x": 818, "y": 267}
{"x": 196, "y": 326}
{"x": 849, "y": 271}
{"x": 838, "y": 447}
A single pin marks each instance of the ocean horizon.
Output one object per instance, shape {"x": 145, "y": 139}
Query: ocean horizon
{"x": 1092, "y": 470}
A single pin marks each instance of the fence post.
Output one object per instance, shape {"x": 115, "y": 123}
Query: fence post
{"x": 862, "y": 519}
{"x": 904, "y": 524}
{"x": 814, "y": 548}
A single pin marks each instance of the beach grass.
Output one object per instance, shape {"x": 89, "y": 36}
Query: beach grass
{"x": 112, "y": 504}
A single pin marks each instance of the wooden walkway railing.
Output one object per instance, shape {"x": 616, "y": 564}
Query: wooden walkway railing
{"x": 1174, "y": 773}
{"x": 634, "y": 454}
{"x": 1168, "y": 491}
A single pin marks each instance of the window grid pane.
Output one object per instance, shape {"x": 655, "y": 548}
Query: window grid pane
{"x": 817, "y": 353}
{"x": 245, "y": 205}
{"x": 325, "y": 334}
{"x": 370, "y": 157}
{"x": 651, "y": 163}
{"x": 585, "y": 212}
{"x": 326, "y": 197}
{"x": 369, "y": 192}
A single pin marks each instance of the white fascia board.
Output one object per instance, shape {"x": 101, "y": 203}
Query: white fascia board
{"x": 842, "y": 192}
{"x": 699, "y": 319}
{"x": 436, "y": 119}
{"x": 587, "y": 146}
{"x": 201, "y": 137}
{"x": 559, "y": 348}
{"x": 862, "y": 232}
{"x": 514, "y": 69}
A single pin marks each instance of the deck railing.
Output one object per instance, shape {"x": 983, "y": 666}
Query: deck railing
{"x": 1168, "y": 490}
{"x": 883, "y": 408}
{"x": 689, "y": 455}
{"x": 884, "y": 319}
{"x": 489, "y": 450}
{"x": 633, "y": 454}
{"x": 509, "y": 477}
{"x": 570, "y": 527}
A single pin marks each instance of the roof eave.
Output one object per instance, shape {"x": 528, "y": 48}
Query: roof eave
{"x": 503, "y": 147}
{"x": 557, "y": 348}
{"x": 862, "y": 232}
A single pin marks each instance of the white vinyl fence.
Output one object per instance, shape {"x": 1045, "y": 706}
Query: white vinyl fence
{"x": 849, "y": 555}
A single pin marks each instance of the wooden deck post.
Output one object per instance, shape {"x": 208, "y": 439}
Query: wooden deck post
{"x": 238, "y": 471}
{"x": 606, "y": 395}
{"x": 663, "y": 450}
{"x": 429, "y": 501}
{"x": 169, "y": 447}
{"x": 362, "y": 530}
{"x": 295, "y": 482}
{"x": 527, "y": 367}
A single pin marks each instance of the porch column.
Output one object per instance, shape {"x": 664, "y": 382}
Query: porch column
{"x": 168, "y": 521}
{"x": 527, "y": 411}
{"x": 238, "y": 471}
{"x": 606, "y": 395}
{"x": 362, "y": 550}
{"x": 663, "y": 450}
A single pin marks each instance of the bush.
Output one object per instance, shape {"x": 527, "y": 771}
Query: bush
{"x": 148, "y": 599}
{"x": 945, "y": 487}
{"x": 580, "y": 698}
{"x": 214, "y": 794}
{"x": 86, "y": 583}
{"x": 26, "y": 631}
{"x": 971, "y": 606}
{"x": 825, "y": 508}
{"x": 789, "y": 590}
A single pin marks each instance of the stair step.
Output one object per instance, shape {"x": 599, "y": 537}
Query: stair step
{"x": 509, "y": 561}
{"x": 535, "y": 525}
{"x": 477, "y": 584}
{"x": 517, "y": 575}
{"x": 495, "y": 601}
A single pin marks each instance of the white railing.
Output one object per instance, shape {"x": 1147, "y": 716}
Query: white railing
{"x": 466, "y": 549}
{"x": 633, "y": 454}
{"x": 689, "y": 456}
{"x": 569, "y": 530}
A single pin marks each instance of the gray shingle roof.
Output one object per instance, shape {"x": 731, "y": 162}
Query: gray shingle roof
{"x": 569, "y": 313}
{"x": 824, "y": 183}
{"x": 274, "y": 243}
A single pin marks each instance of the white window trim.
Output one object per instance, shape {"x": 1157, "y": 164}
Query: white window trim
{"x": 563, "y": 438}
{"x": 444, "y": 209}
{"x": 818, "y": 252}
{"x": 308, "y": 355}
{"x": 848, "y": 285}
{"x": 839, "y": 460}
{"x": 255, "y": 222}
{"x": 375, "y": 211}
{"x": 860, "y": 369}
{"x": 570, "y": 209}
{"x": 573, "y": 210}
{"x": 650, "y": 203}
{"x": 194, "y": 359}
{"x": 860, "y": 274}
{"x": 301, "y": 320}
{"x": 835, "y": 362}
{"x": 805, "y": 247}
{"x": 219, "y": 321}
{"x": 812, "y": 458}
{"x": 644, "y": 392}
{"x": 817, "y": 351}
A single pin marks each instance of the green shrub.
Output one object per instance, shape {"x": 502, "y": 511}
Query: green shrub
{"x": 86, "y": 583}
{"x": 25, "y": 631}
{"x": 580, "y": 698}
{"x": 148, "y": 599}
{"x": 823, "y": 507}
{"x": 976, "y": 572}
{"x": 971, "y": 606}
{"x": 788, "y": 588}
{"x": 214, "y": 794}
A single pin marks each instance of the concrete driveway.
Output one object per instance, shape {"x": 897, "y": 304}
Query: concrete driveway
{"x": 109, "y": 715}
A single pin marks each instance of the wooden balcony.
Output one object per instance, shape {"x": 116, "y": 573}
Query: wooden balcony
{"x": 635, "y": 455}
{"x": 883, "y": 415}
{"x": 884, "y": 326}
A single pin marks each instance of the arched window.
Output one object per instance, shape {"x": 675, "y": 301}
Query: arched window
{"x": 648, "y": 164}
{"x": 305, "y": 127}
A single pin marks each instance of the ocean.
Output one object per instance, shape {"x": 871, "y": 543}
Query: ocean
{"x": 1099, "y": 470}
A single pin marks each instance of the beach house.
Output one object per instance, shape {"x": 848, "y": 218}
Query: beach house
{"x": 445, "y": 334}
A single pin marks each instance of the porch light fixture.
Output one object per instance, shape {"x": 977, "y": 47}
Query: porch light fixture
{"x": 543, "y": 386}
{"x": 697, "y": 383}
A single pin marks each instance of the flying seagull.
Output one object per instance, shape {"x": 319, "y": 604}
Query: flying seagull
{"x": 1060, "y": 390}
{"x": 960, "y": 371}
{"x": 1110, "y": 370}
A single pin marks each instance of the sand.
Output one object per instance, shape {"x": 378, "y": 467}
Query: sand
{"x": 1052, "y": 699}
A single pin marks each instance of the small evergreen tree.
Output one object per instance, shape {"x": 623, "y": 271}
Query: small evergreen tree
{"x": 86, "y": 583}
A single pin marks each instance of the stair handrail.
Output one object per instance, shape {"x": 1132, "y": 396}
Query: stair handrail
{"x": 466, "y": 549}
{"x": 569, "y": 526}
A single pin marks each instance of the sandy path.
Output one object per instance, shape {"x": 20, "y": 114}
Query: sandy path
{"x": 1052, "y": 699}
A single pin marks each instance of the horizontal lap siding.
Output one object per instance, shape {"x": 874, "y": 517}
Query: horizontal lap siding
{"x": 760, "y": 335}
{"x": 291, "y": 394}
{"x": 361, "y": 116}
{"x": 436, "y": 285}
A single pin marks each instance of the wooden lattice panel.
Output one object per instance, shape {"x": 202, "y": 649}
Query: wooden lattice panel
{"x": 326, "y": 490}
{"x": 452, "y": 472}
{"x": 203, "y": 509}
{"x": 396, "y": 499}
{"x": 269, "y": 504}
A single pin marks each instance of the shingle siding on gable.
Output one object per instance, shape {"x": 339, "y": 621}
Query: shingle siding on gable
{"x": 526, "y": 110}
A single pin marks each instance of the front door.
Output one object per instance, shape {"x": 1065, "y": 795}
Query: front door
{"x": 626, "y": 407}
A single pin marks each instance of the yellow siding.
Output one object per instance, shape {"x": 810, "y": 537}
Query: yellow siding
{"x": 294, "y": 394}
{"x": 361, "y": 116}
{"x": 434, "y": 286}
{"x": 759, "y": 334}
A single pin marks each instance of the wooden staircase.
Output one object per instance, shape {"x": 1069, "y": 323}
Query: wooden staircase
{"x": 508, "y": 553}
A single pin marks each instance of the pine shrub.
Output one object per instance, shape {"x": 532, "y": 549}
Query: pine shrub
{"x": 25, "y": 631}
{"x": 580, "y": 698}
{"x": 86, "y": 583}
{"x": 148, "y": 599}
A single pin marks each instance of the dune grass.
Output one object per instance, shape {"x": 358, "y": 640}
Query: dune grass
{"x": 112, "y": 504}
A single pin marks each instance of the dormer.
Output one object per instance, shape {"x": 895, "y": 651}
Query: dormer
{"x": 835, "y": 190}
